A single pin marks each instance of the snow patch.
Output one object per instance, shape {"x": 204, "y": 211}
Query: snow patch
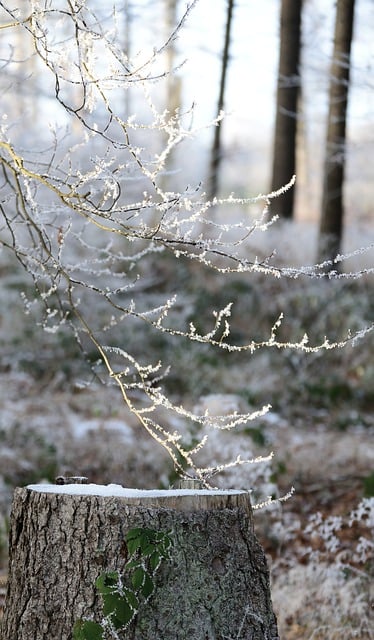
{"x": 83, "y": 427}
{"x": 116, "y": 490}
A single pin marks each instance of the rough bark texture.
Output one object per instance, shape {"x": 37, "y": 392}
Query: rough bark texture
{"x": 214, "y": 587}
{"x": 331, "y": 225}
{"x": 284, "y": 152}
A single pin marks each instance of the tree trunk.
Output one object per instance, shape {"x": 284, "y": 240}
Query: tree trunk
{"x": 331, "y": 224}
{"x": 214, "y": 585}
{"x": 173, "y": 85}
{"x": 284, "y": 152}
{"x": 216, "y": 153}
{"x": 128, "y": 27}
{"x": 173, "y": 82}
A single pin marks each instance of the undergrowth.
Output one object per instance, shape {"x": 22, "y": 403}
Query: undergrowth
{"x": 326, "y": 591}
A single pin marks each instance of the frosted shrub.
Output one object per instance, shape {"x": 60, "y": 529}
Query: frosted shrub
{"x": 329, "y": 594}
{"x": 327, "y": 530}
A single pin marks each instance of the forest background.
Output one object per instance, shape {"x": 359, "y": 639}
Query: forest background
{"x": 320, "y": 425}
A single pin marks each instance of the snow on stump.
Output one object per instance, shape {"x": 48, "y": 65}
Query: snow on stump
{"x": 132, "y": 564}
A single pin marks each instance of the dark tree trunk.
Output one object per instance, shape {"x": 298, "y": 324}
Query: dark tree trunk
{"x": 284, "y": 152}
{"x": 215, "y": 585}
{"x": 216, "y": 153}
{"x": 331, "y": 224}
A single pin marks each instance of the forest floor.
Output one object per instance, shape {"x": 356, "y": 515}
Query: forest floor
{"x": 329, "y": 469}
{"x": 320, "y": 428}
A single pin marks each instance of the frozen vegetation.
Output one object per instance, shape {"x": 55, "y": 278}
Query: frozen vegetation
{"x": 147, "y": 333}
{"x": 320, "y": 428}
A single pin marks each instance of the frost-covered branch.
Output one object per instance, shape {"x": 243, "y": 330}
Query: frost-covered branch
{"x": 85, "y": 211}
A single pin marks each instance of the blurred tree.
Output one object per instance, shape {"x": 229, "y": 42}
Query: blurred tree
{"x": 284, "y": 153}
{"x": 24, "y": 96}
{"x": 173, "y": 85}
{"x": 331, "y": 224}
{"x": 128, "y": 17}
{"x": 216, "y": 152}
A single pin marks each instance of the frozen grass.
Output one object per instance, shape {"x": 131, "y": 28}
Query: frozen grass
{"x": 329, "y": 593}
{"x": 321, "y": 602}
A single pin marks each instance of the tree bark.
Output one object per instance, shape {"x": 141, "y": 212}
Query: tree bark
{"x": 215, "y": 585}
{"x": 284, "y": 152}
{"x": 331, "y": 224}
{"x": 216, "y": 152}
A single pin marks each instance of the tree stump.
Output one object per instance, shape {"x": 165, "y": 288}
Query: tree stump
{"x": 213, "y": 586}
